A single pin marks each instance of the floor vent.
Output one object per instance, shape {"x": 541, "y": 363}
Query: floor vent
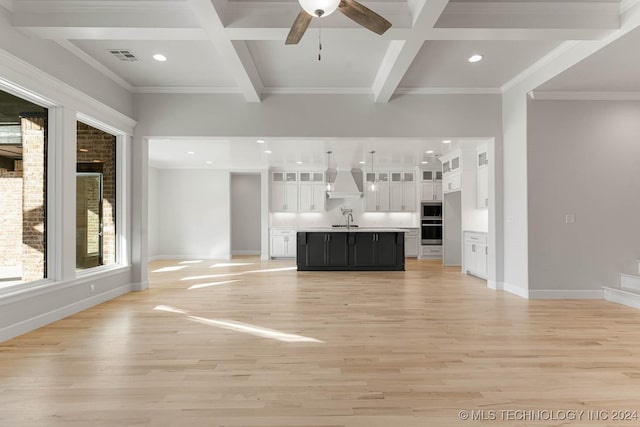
{"x": 123, "y": 55}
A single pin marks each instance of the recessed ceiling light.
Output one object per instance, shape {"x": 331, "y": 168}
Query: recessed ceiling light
{"x": 209, "y": 162}
{"x": 299, "y": 163}
{"x": 267, "y": 151}
{"x": 260, "y": 141}
{"x": 424, "y": 162}
{"x": 446, "y": 141}
{"x": 159, "y": 57}
{"x": 475, "y": 58}
{"x": 362, "y": 163}
{"x": 96, "y": 161}
{"x": 83, "y": 150}
{"x": 191, "y": 152}
{"x": 429, "y": 151}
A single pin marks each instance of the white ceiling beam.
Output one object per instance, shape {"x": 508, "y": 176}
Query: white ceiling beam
{"x": 234, "y": 54}
{"x": 400, "y": 54}
{"x": 569, "y": 54}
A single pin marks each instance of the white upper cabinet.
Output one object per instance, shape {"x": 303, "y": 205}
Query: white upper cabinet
{"x": 431, "y": 186}
{"x": 313, "y": 192}
{"x": 451, "y": 171}
{"x": 284, "y": 191}
{"x": 297, "y": 191}
{"x": 482, "y": 176}
{"x": 394, "y": 191}
{"x": 376, "y": 196}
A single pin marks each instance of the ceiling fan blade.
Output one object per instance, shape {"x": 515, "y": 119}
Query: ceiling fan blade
{"x": 364, "y": 16}
{"x": 298, "y": 28}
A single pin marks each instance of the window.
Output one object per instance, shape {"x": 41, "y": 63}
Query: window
{"x": 23, "y": 167}
{"x": 95, "y": 198}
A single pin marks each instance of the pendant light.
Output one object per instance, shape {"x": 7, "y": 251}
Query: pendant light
{"x": 372, "y": 187}
{"x": 329, "y": 184}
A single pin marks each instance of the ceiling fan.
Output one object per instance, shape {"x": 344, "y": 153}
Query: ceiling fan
{"x": 350, "y": 8}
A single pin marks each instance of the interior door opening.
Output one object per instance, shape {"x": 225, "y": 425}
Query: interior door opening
{"x": 246, "y": 231}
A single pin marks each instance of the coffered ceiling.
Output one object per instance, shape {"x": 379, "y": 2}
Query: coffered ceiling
{"x": 237, "y": 46}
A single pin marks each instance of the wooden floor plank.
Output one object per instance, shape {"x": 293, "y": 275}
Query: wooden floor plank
{"x": 256, "y": 344}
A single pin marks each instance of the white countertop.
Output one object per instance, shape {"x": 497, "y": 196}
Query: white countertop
{"x": 328, "y": 227}
{"x": 352, "y": 230}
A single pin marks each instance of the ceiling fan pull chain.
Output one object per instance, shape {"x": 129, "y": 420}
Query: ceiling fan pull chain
{"x": 319, "y": 40}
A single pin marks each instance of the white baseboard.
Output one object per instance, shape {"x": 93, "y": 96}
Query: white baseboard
{"x": 627, "y": 297}
{"x": 246, "y": 252}
{"x": 516, "y": 290}
{"x": 566, "y": 294}
{"x": 41, "y": 320}
{"x": 140, "y": 286}
{"x": 492, "y": 284}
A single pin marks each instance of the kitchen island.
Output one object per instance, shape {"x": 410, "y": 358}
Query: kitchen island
{"x": 354, "y": 249}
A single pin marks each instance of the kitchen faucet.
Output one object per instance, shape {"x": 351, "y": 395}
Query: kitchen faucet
{"x": 349, "y": 220}
{"x": 349, "y": 217}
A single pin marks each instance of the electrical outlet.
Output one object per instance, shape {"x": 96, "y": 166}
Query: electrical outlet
{"x": 92, "y": 288}
{"x": 570, "y": 219}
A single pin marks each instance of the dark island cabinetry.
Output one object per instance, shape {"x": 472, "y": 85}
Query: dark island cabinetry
{"x": 364, "y": 251}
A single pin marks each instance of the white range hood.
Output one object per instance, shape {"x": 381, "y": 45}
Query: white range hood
{"x": 344, "y": 186}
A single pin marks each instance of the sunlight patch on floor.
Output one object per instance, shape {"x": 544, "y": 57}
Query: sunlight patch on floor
{"x": 239, "y": 326}
{"x": 213, "y": 276}
{"x": 195, "y": 261}
{"x": 168, "y": 269}
{"x": 207, "y": 285}
{"x": 230, "y": 264}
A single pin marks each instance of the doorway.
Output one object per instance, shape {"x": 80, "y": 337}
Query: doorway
{"x": 246, "y": 232}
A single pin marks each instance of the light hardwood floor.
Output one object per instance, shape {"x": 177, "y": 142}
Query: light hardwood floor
{"x": 261, "y": 345}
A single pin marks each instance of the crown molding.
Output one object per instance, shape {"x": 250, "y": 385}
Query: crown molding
{"x": 7, "y": 4}
{"x": 535, "y": 8}
{"x": 448, "y": 91}
{"x": 318, "y": 90}
{"x": 140, "y": 6}
{"x": 559, "y": 95}
{"x": 186, "y": 89}
{"x": 90, "y": 60}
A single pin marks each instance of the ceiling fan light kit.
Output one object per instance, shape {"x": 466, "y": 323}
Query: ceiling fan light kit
{"x": 319, "y": 8}
{"x": 353, "y": 10}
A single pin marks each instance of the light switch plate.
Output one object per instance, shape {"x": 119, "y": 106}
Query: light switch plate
{"x": 570, "y": 218}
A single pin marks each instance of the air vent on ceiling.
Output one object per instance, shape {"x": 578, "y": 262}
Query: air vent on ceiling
{"x": 123, "y": 55}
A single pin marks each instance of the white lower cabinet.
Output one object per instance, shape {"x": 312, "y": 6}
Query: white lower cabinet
{"x": 411, "y": 240}
{"x": 475, "y": 253}
{"x": 430, "y": 251}
{"x": 283, "y": 243}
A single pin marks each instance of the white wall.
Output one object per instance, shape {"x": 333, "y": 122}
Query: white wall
{"x": 245, "y": 213}
{"x": 154, "y": 213}
{"x": 582, "y": 160}
{"x": 194, "y": 214}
